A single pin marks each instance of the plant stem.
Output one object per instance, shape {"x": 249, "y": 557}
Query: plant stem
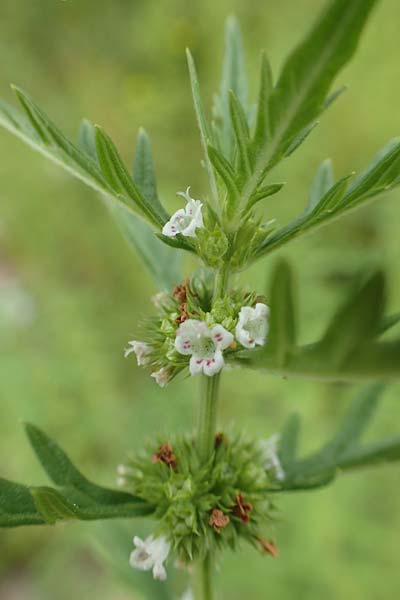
{"x": 207, "y": 423}
{"x": 207, "y": 416}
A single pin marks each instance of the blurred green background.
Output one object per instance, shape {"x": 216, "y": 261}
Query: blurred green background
{"x": 71, "y": 291}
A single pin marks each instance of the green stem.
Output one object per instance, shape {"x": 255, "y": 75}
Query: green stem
{"x": 206, "y": 579}
{"x": 207, "y": 424}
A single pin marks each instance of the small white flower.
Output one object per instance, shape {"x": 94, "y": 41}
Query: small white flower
{"x": 269, "y": 448}
{"x": 150, "y": 553}
{"x": 185, "y": 220}
{"x": 141, "y": 349}
{"x": 204, "y": 344}
{"x": 161, "y": 376}
{"x": 252, "y": 327}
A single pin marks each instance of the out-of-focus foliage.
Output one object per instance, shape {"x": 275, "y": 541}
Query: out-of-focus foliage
{"x": 78, "y": 289}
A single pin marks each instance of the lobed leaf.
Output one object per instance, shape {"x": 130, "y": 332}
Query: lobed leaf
{"x": 75, "y": 497}
{"x": 302, "y": 87}
{"x": 349, "y": 350}
{"x": 381, "y": 176}
{"x": 343, "y": 452}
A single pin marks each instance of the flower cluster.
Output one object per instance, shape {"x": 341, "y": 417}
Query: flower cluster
{"x": 200, "y": 507}
{"x": 190, "y": 333}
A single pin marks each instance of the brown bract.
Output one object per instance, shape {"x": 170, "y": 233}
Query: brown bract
{"x": 269, "y": 547}
{"x": 218, "y": 520}
{"x": 165, "y": 455}
{"x": 242, "y": 509}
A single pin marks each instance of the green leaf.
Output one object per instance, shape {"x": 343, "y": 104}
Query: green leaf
{"x": 299, "y": 139}
{"x": 241, "y": 134}
{"x": 226, "y": 173}
{"x": 282, "y": 329}
{"x": 233, "y": 79}
{"x": 354, "y": 424}
{"x": 205, "y": 135}
{"x": 262, "y": 128}
{"x": 17, "y": 506}
{"x": 323, "y": 182}
{"x": 82, "y": 163}
{"x": 380, "y": 177}
{"x": 289, "y": 440}
{"x": 301, "y": 90}
{"x": 343, "y": 452}
{"x": 265, "y": 192}
{"x": 144, "y": 172}
{"x": 357, "y": 322}
{"x": 162, "y": 264}
{"x": 118, "y": 177}
{"x": 75, "y": 497}
{"x": 87, "y": 139}
{"x": 386, "y": 451}
{"x": 350, "y": 349}
{"x": 382, "y": 172}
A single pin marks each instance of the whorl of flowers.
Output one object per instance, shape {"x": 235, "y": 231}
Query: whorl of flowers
{"x": 200, "y": 506}
{"x": 189, "y": 333}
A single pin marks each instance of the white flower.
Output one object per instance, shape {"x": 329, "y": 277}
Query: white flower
{"x": 161, "y": 376}
{"x": 204, "y": 344}
{"x": 252, "y": 327}
{"x": 269, "y": 448}
{"x": 141, "y": 349}
{"x": 150, "y": 554}
{"x": 185, "y": 220}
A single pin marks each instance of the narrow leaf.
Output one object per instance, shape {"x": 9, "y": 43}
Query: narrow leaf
{"x": 202, "y": 122}
{"x": 233, "y": 79}
{"x": 144, "y": 171}
{"x": 262, "y": 129}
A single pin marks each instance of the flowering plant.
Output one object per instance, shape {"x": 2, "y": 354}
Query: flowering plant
{"x": 211, "y": 490}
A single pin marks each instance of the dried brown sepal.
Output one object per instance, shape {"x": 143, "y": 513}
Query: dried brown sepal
{"x": 165, "y": 455}
{"x": 269, "y": 547}
{"x": 183, "y": 314}
{"x": 218, "y": 520}
{"x": 242, "y": 509}
{"x": 179, "y": 293}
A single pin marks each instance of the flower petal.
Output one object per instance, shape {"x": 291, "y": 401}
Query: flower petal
{"x": 159, "y": 572}
{"x": 213, "y": 365}
{"x": 196, "y": 365}
{"x": 187, "y": 333}
{"x": 172, "y": 227}
{"x": 221, "y": 337}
